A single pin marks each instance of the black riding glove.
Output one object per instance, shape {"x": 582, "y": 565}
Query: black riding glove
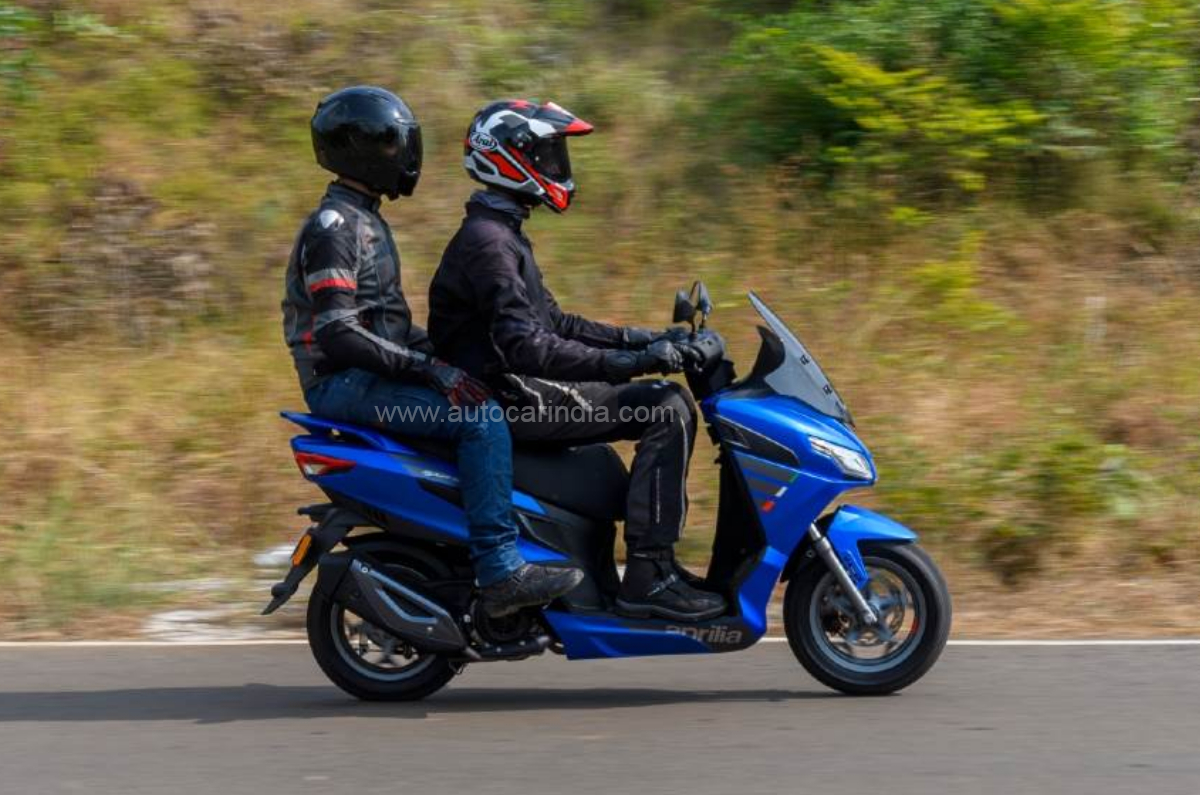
{"x": 693, "y": 355}
{"x": 676, "y": 334}
{"x": 458, "y": 387}
{"x": 659, "y": 357}
{"x": 636, "y": 339}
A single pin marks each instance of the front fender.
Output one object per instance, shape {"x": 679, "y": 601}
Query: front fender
{"x": 852, "y": 525}
{"x": 846, "y": 528}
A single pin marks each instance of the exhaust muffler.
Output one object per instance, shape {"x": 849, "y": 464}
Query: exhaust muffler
{"x": 399, "y": 609}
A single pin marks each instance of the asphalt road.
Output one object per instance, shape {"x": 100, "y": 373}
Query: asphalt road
{"x": 262, "y": 720}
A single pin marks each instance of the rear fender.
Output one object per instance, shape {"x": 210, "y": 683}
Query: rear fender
{"x": 847, "y": 529}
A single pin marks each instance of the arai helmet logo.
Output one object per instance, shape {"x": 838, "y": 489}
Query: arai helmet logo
{"x": 483, "y": 142}
{"x": 716, "y": 634}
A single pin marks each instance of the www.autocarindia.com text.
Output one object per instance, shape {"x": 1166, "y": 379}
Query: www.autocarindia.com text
{"x": 524, "y": 414}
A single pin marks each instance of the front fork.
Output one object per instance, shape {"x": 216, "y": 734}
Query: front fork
{"x": 830, "y": 558}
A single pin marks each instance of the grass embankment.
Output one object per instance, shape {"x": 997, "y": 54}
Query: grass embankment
{"x": 1008, "y": 309}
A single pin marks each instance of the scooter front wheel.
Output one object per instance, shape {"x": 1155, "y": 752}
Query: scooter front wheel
{"x": 830, "y": 640}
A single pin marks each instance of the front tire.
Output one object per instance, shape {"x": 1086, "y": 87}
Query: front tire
{"x": 832, "y": 644}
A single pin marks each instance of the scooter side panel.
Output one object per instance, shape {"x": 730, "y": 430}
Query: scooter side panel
{"x": 391, "y": 482}
{"x": 755, "y": 592}
{"x": 589, "y": 636}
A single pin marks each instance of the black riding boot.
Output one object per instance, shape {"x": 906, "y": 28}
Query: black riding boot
{"x": 652, "y": 587}
{"x": 528, "y": 586}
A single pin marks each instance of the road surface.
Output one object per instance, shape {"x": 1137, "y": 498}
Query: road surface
{"x": 262, "y": 720}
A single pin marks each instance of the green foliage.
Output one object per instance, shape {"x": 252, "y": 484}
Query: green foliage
{"x": 939, "y": 96}
{"x": 80, "y": 24}
{"x": 17, "y": 58}
{"x": 1043, "y": 490}
{"x": 948, "y": 295}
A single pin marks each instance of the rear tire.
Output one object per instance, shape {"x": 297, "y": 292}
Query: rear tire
{"x": 342, "y": 644}
{"x": 818, "y": 628}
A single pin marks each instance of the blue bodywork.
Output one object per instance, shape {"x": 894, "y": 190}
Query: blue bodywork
{"x": 788, "y": 498}
{"x": 387, "y": 476}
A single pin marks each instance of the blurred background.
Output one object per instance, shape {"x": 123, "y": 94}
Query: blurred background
{"x": 982, "y": 215}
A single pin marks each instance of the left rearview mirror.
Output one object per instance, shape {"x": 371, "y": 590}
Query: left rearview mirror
{"x": 685, "y": 312}
{"x": 703, "y": 302}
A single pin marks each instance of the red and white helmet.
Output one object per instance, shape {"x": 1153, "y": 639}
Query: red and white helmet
{"x": 521, "y": 147}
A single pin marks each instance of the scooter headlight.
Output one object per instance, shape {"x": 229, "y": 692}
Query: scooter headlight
{"x": 851, "y": 463}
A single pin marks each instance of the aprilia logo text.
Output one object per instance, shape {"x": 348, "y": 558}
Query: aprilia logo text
{"x": 721, "y": 635}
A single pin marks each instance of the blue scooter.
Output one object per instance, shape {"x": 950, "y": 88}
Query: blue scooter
{"x": 394, "y": 613}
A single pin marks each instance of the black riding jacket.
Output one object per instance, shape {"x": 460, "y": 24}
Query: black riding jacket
{"x": 490, "y": 313}
{"x": 343, "y": 305}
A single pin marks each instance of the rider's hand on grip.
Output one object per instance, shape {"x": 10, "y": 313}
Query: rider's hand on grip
{"x": 658, "y": 357}
{"x": 637, "y": 339}
{"x": 676, "y": 334}
{"x": 663, "y": 357}
{"x": 693, "y": 356}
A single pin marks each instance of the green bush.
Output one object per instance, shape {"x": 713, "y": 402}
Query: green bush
{"x": 17, "y": 57}
{"x": 933, "y": 99}
{"x": 1046, "y": 490}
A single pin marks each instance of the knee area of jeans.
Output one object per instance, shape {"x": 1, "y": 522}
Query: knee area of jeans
{"x": 486, "y": 421}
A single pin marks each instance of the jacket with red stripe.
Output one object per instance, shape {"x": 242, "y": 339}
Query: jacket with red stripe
{"x": 343, "y": 306}
{"x": 491, "y": 314}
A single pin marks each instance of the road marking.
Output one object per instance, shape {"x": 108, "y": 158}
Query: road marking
{"x": 1095, "y": 642}
{"x": 158, "y": 644}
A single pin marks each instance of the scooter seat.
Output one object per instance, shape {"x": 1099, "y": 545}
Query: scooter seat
{"x": 589, "y": 479}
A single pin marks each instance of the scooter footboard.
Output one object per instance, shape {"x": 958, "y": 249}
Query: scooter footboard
{"x": 850, "y": 526}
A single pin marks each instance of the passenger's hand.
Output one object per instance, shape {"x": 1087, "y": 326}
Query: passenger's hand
{"x": 458, "y": 387}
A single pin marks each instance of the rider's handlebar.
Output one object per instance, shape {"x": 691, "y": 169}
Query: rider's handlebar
{"x": 710, "y": 347}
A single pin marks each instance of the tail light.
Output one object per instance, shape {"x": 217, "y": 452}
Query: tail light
{"x": 314, "y": 465}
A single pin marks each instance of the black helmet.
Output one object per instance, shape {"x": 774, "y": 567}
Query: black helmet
{"x": 370, "y": 135}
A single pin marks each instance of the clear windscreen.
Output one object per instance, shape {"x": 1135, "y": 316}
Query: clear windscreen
{"x": 798, "y": 375}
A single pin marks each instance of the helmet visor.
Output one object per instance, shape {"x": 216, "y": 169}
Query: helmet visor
{"x": 411, "y": 154}
{"x": 549, "y": 157}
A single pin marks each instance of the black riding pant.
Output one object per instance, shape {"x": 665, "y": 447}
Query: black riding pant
{"x": 659, "y": 415}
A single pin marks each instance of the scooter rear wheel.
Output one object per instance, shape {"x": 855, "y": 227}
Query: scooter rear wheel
{"x": 832, "y": 643}
{"x": 366, "y": 661}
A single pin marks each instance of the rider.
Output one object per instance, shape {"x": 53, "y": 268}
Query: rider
{"x": 361, "y": 359}
{"x": 490, "y": 314}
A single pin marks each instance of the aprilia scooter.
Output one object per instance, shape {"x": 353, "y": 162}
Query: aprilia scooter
{"x": 394, "y": 613}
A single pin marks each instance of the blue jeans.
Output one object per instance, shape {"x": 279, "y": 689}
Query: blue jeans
{"x": 482, "y": 442}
